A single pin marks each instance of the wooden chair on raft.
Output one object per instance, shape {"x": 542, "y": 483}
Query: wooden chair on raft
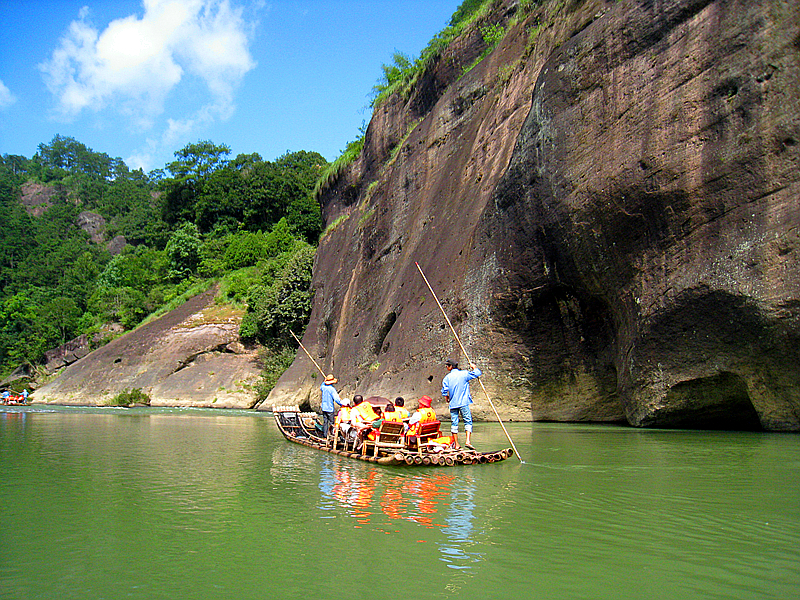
{"x": 389, "y": 437}
{"x": 346, "y": 440}
{"x": 427, "y": 432}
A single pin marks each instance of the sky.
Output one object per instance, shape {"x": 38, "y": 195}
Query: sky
{"x": 141, "y": 79}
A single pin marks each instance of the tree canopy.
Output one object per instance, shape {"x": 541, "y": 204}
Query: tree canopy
{"x": 203, "y": 215}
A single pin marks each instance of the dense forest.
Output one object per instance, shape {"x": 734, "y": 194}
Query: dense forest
{"x": 248, "y": 224}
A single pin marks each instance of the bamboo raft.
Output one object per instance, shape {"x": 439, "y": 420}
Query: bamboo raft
{"x": 300, "y": 428}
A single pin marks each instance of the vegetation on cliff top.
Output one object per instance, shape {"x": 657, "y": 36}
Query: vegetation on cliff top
{"x": 401, "y": 76}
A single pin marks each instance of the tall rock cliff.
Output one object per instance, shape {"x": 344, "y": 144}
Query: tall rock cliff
{"x": 607, "y": 206}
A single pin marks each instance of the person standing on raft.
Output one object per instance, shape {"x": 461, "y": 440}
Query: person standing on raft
{"x": 455, "y": 387}
{"x": 329, "y": 397}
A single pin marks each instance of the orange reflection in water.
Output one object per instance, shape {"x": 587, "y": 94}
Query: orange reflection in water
{"x": 416, "y": 498}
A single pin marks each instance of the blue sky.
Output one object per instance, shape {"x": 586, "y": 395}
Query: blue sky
{"x": 141, "y": 79}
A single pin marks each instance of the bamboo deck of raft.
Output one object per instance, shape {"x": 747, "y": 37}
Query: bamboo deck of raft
{"x": 293, "y": 425}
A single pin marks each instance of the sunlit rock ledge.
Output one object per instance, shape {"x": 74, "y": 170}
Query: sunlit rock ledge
{"x": 191, "y": 356}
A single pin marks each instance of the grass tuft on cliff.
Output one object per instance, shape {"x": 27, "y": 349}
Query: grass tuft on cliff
{"x": 331, "y": 173}
{"x": 402, "y": 74}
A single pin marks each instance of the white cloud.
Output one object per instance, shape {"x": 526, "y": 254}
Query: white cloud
{"x": 135, "y": 63}
{"x": 6, "y": 97}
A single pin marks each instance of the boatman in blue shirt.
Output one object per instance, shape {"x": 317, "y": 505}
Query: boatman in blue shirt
{"x": 329, "y": 397}
{"x": 455, "y": 387}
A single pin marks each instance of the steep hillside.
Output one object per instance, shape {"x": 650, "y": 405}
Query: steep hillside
{"x": 191, "y": 356}
{"x": 607, "y": 206}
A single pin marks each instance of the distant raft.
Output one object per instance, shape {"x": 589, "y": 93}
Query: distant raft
{"x": 388, "y": 448}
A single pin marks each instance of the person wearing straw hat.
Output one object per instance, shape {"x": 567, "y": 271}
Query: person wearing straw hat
{"x": 330, "y": 397}
{"x": 455, "y": 387}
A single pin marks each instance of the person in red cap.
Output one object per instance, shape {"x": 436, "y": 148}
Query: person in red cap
{"x": 424, "y": 414}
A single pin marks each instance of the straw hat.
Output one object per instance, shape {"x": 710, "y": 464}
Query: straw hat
{"x": 331, "y": 380}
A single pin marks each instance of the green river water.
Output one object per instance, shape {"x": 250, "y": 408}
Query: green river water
{"x": 201, "y": 504}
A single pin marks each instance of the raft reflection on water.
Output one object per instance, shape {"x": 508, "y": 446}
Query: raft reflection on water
{"x": 438, "y": 500}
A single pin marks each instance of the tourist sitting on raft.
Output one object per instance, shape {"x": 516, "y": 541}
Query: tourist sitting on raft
{"x": 425, "y": 414}
{"x": 388, "y": 413}
{"x": 361, "y": 416}
{"x": 400, "y": 407}
{"x": 342, "y": 422}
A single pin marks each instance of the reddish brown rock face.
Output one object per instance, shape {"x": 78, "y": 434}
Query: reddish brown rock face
{"x": 607, "y": 207}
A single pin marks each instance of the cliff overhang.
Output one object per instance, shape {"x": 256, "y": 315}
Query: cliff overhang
{"x": 607, "y": 206}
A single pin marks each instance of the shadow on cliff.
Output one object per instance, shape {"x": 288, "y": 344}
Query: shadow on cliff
{"x": 606, "y": 205}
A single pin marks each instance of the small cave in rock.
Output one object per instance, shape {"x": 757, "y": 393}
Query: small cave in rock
{"x": 718, "y": 402}
{"x": 383, "y": 332}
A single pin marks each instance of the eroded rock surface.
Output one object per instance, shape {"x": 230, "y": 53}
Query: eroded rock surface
{"x": 38, "y": 197}
{"x": 191, "y": 356}
{"x": 608, "y": 208}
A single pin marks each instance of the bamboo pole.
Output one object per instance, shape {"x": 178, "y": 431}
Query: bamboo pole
{"x": 463, "y": 350}
{"x": 307, "y": 353}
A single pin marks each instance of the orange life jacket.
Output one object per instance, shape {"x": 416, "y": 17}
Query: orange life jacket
{"x": 426, "y": 415}
{"x": 394, "y": 417}
{"x": 403, "y": 412}
{"x": 343, "y": 414}
{"x": 364, "y": 413}
{"x": 444, "y": 440}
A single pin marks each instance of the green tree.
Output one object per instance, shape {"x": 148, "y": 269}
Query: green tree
{"x": 63, "y": 315}
{"x": 285, "y": 304}
{"x": 124, "y": 305}
{"x": 80, "y": 278}
{"x": 279, "y": 239}
{"x": 16, "y": 239}
{"x": 67, "y": 155}
{"x": 245, "y": 249}
{"x": 223, "y": 196}
{"x": 183, "y": 252}
{"x": 139, "y": 268}
{"x": 305, "y": 218}
{"x": 306, "y": 166}
{"x": 193, "y": 164}
{"x": 19, "y": 332}
{"x": 123, "y": 195}
{"x": 270, "y": 192}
